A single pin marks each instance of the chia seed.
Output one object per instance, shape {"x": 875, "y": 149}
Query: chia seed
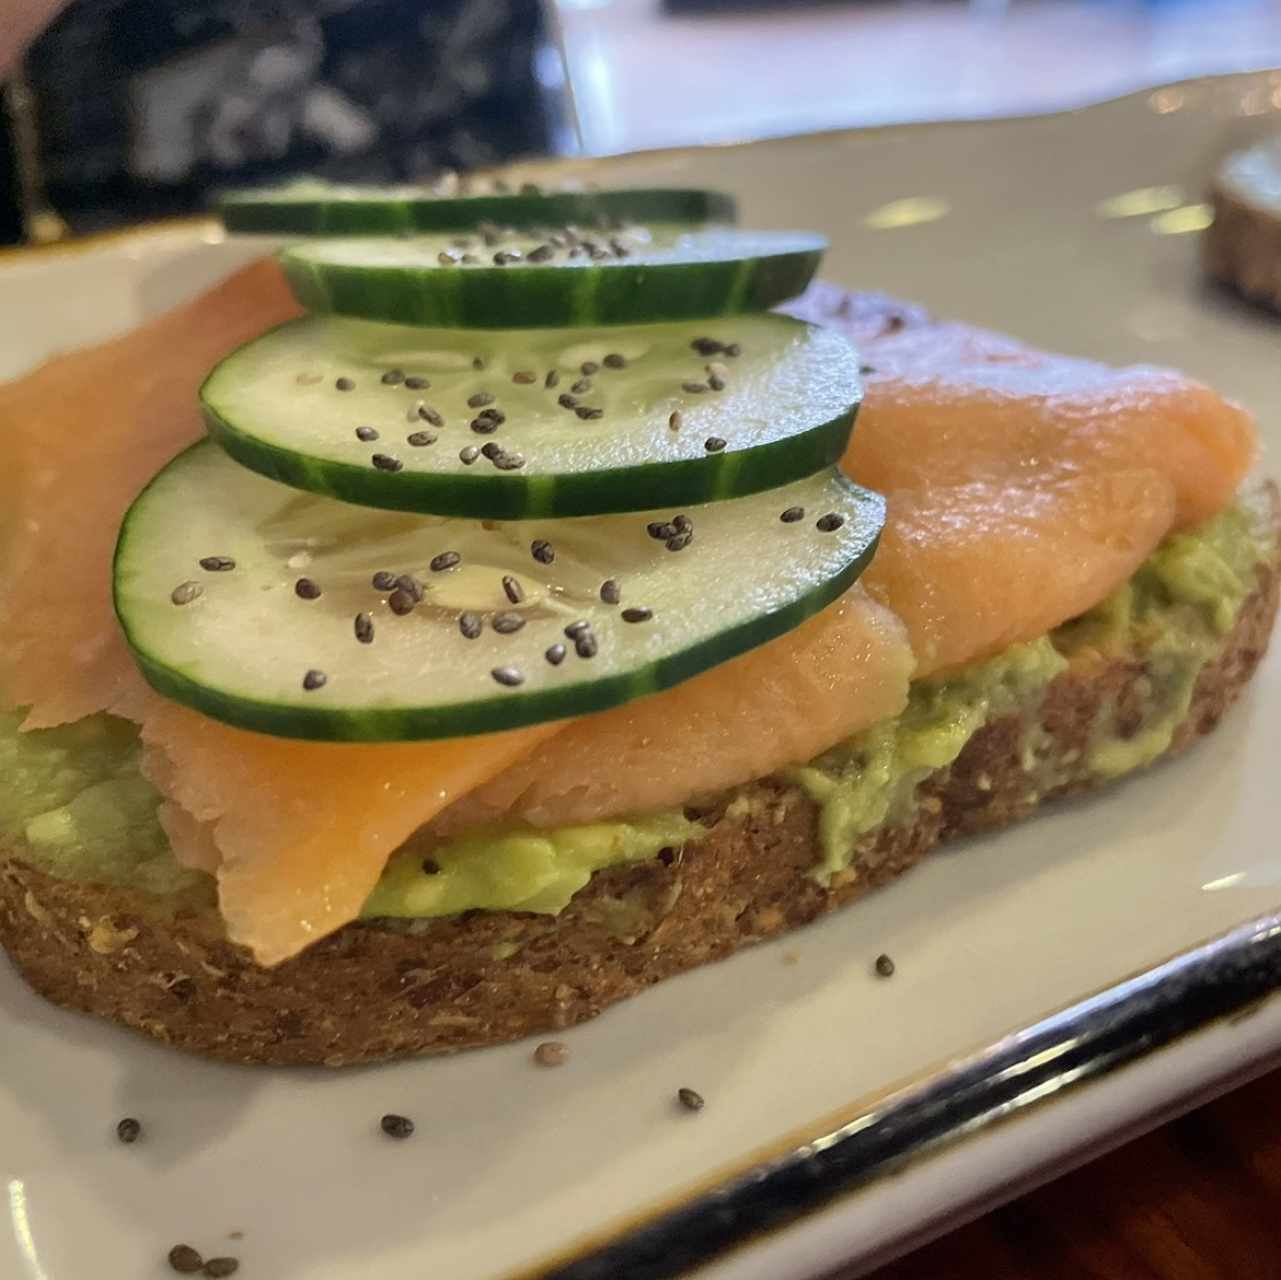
{"x": 792, "y": 514}
{"x": 364, "y": 628}
{"x": 610, "y": 591}
{"x": 585, "y": 644}
{"x": 715, "y": 383}
{"x": 385, "y": 462}
{"x": 417, "y": 439}
{"x": 587, "y": 413}
{"x": 428, "y": 414}
{"x": 694, "y": 388}
{"x": 410, "y": 585}
{"x": 399, "y": 1127}
{"x": 542, "y": 253}
{"x": 707, "y": 346}
{"x": 680, "y": 541}
{"x": 306, "y": 589}
{"x": 491, "y": 450}
{"x": 484, "y": 425}
{"x": 524, "y": 377}
{"x": 220, "y": 1268}
{"x": 401, "y": 603}
{"x": 445, "y": 560}
{"x": 829, "y": 523}
{"x": 581, "y": 386}
{"x": 367, "y": 434}
{"x": 542, "y": 551}
{"x": 479, "y": 400}
{"x": 185, "y": 1260}
{"x": 314, "y": 680}
{"x": 588, "y": 367}
{"x": 512, "y": 589}
{"x": 690, "y": 1099}
{"x": 129, "y": 1130}
{"x": 566, "y": 401}
{"x": 884, "y": 966}
{"x": 555, "y": 654}
{"x": 660, "y": 530}
{"x": 576, "y": 629}
{"x": 415, "y": 383}
{"x": 509, "y": 676}
{"x": 714, "y": 444}
{"x": 614, "y": 361}
{"x": 552, "y": 379}
{"x": 218, "y": 564}
{"x": 392, "y": 378}
{"x": 675, "y": 420}
{"x": 344, "y": 384}
{"x": 186, "y": 592}
{"x": 470, "y": 625}
{"x": 383, "y": 580}
{"x": 507, "y": 624}
{"x": 468, "y": 454}
{"x": 551, "y": 1053}
{"x": 638, "y": 614}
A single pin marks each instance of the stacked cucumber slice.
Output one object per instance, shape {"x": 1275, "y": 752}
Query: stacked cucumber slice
{"x": 532, "y": 488}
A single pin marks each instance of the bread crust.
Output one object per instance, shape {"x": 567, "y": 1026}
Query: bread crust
{"x": 1242, "y": 248}
{"x": 374, "y": 991}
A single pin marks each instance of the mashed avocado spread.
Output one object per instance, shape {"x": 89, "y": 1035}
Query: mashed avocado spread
{"x": 76, "y": 799}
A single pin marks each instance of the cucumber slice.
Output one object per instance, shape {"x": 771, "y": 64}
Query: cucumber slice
{"x": 661, "y": 273}
{"x": 311, "y": 207}
{"x": 237, "y": 641}
{"x": 338, "y": 407}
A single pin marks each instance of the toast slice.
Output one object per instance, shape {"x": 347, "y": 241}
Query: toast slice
{"x": 384, "y": 989}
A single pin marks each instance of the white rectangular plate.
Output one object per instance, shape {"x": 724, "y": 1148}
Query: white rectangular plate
{"x": 514, "y": 1166}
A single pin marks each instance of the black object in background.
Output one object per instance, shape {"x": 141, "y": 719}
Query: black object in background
{"x": 146, "y": 106}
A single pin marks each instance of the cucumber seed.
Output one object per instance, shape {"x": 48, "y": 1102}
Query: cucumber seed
{"x": 306, "y": 589}
{"x": 470, "y": 625}
{"x": 638, "y": 614}
{"x": 364, "y": 627}
{"x": 186, "y": 592}
{"x": 829, "y": 523}
{"x": 542, "y": 551}
{"x": 507, "y": 624}
{"x": 792, "y": 515}
{"x": 714, "y": 444}
{"x": 367, "y": 434}
{"x": 314, "y": 680}
{"x": 344, "y": 384}
{"x": 445, "y": 560}
{"x": 385, "y": 462}
{"x": 218, "y": 564}
{"x": 610, "y": 591}
{"x": 512, "y": 589}
{"x": 555, "y": 654}
{"x": 510, "y": 676}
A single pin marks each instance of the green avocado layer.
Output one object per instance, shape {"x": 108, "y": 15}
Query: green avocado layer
{"x": 76, "y": 799}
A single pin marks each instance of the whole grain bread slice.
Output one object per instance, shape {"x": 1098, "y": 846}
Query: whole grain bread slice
{"x": 378, "y": 990}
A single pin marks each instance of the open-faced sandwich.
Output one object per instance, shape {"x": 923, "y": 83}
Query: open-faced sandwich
{"x": 531, "y": 624}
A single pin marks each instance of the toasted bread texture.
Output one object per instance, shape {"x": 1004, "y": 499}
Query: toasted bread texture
{"x": 383, "y": 990}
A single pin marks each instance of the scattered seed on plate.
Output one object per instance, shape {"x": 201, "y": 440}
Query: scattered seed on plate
{"x": 344, "y": 384}
{"x": 185, "y": 1260}
{"x": 792, "y": 514}
{"x": 542, "y": 551}
{"x": 524, "y": 377}
{"x": 470, "y": 625}
{"x": 690, "y": 1099}
{"x": 186, "y": 592}
{"x": 675, "y": 420}
{"x": 367, "y": 434}
{"x": 416, "y": 383}
{"x": 884, "y": 966}
{"x": 829, "y": 522}
{"x": 468, "y": 454}
{"x": 552, "y": 379}
{"x": 417, "y": 439}
{"x": 385, "y": 462}
{"x": 401, "y": 603}
{"x": 714, "y": 444}
{"x": 615, "y": 361}
{"x": 364, "y": 628}
{"x": 585, "y": 644}
{"x": 314, "y": 680}
{"x": 610, "y": 591}
{"x": 218, "y": 564}
{"x": 694, "y": 388}
{"x": 509, "y": 676}
{"x": 445, "y": 560}
{"x": 638, "y": 614}
{"x": 393, "y": 377}
{"x": 395, "y": 1126}
{"x": 480, "y": 399}
{"x": 551, "y": 1053}
{"x": 512, "y": 589}
{"x": 383, "y": 580}
{"x": 221, "y": 1268}
{"x": 587, "y": 413}
{"x": 588, "y": 367}
{"x": 555, "y": 654}
{"x": 507, "y": 624}
{"x": 129, "y": 1130}
{"x": 307, "y": 589}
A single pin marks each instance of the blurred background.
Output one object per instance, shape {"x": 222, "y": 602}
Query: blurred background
{"x": 125, "y": 110}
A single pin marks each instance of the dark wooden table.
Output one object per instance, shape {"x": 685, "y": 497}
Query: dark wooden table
{"x": 1199, "y": 1199}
